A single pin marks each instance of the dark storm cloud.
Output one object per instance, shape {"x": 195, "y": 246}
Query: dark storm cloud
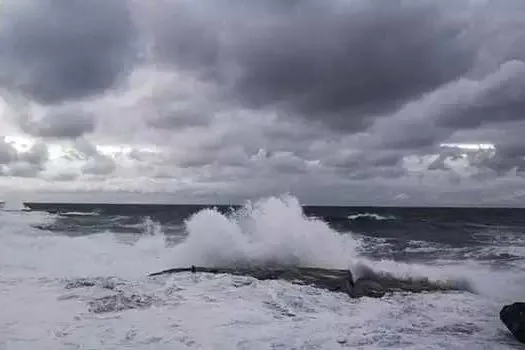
{"x": 339, "y": 61}
{"x": 346, "y": 64}
{"x": 364, "y": 165}
{"x": 59, "y": 122}
{"x": 466, "y": 104}
{"x": 505, "y": 158}
{"x": 498, "y": 98}
{"x": 342, "y": 62}
{"x": 333, "y": 92}
{"x": 53, "y": 50}
{"x": 179, "y": 118}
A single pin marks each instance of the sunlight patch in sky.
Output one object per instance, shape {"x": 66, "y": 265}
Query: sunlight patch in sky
{"x": 470, "y": 146}
{"x": 58, "y": 149}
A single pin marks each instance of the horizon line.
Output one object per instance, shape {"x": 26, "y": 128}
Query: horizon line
{"x": 412, "y": 206}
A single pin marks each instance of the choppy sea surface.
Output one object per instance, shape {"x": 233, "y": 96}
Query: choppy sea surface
{"x": 75, "y": 277}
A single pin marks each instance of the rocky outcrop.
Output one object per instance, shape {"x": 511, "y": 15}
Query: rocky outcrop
{"x": 513, "y": 317}
{"x": 369, "y": 283}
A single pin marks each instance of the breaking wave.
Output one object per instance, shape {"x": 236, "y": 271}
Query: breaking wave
{"x": 269, "y": 231}
{"x": 80, "y": 213}
{"x": 372, "y": 216}
{"x": 275, "y": 231}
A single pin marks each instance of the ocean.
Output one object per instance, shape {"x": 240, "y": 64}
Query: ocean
{"x": 75, "y": 276}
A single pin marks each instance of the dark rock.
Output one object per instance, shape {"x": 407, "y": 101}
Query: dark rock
{"x": 369, "y": 283}
{"x": 367, "y": 288}
{"x": 513, "y": 316}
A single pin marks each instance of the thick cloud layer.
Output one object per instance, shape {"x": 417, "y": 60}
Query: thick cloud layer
{"x": 231, "y": 99}
{"x": 54, "y": 50}
{"x": 338, "y": 61}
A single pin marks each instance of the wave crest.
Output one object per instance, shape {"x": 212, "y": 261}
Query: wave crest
{"x": 372, "y": 216}
{"x": 273, "y": 230}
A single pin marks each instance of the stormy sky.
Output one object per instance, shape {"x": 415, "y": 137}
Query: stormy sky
{"x": 336, "y": 102}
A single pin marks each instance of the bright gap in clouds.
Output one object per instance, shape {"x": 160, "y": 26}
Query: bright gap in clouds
{"x": 464, "y": 149}
{"x": 20, "y": 143}
{"x": 470, "y": 146}
{"x": 59, "y": 149}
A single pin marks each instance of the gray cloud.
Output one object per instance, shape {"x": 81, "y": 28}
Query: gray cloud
{"x": 22, "y": 164}
{"x": 22, "y": 169}
{"x": 99, "y": 165}
{"x": 59, "y": 122}
{"x": 335, "y": 64}
{"x": 331, "y": 60}
{"x": 38, "y": 154}
{"x": 8, "y": 153}
{"x": 55, "y": 50}
{"x": 96, "y": 163}
{"x": 498, "y": 98}
{"x": 65, "y": 177}
{"x": 260, "y": 97}
{"x": 464, "y": 104}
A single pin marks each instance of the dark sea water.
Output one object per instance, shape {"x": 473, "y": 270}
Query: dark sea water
{"x": 43, "y": 250}
{"x": 495, "y": 235}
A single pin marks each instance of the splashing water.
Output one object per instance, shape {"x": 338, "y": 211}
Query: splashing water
{"x": 151, "y": 227}
{"x": 270, "y": 231}
{"x": 275, "y": 231}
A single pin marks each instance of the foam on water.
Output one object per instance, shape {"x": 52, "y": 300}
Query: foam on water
{"x": 372, "y": 216}
{"x": 77, "y": 213}
{"x": 225, "y": 312}
{"x": 27, "y": 250}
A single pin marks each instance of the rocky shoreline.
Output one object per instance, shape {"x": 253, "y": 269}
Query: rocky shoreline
{"x": 368, "y": 284}
{"x": 513, "y": 317}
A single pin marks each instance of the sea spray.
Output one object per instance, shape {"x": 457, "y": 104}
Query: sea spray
{"x": 273, "y": 230}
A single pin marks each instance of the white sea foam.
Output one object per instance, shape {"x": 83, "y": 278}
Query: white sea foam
{"x": 371, "y": 216}
{"x": 80, "y": 213}
{"x": 151, "y": 227}
{"x": 225, "y": 312}
{"x": 27, "y": 250}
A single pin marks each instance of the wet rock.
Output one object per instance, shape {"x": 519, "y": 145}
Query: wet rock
{"x": 369, "y": 283}
{"x": 342, "y": 340}
{"x": 513, "y": 317}
{"x": 366, "y": 288}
